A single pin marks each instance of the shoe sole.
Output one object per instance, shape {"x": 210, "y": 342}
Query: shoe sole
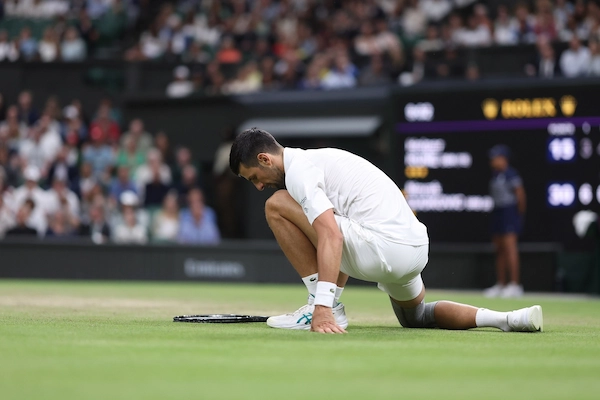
{"x": 536, "y": 318}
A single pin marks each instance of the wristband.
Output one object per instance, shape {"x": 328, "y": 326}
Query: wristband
{"x": 325, "y": 294}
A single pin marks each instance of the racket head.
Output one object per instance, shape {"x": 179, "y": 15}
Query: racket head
{"x": 220, "y": 318}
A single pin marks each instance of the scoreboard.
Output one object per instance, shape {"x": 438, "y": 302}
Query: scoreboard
{"x": 443, "y": 139}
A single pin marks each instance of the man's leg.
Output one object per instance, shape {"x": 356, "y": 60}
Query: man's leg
{"x": 449, "y": 315}
{"x": 298, "y": 240}
{"x": 501, "y": 260}
{"x": 511, "y": 251}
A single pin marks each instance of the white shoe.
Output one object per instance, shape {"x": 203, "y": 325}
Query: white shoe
{"x": 494, "y": 291}
{"x": 512, "y": 290}
{"x": 528, "y": 319}
{"x": 302, "y": 317}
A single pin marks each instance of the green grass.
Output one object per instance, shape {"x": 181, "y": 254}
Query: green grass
{"x": 99, "y": 340}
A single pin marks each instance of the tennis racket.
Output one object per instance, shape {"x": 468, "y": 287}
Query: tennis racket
{"x": 220, "y": 318}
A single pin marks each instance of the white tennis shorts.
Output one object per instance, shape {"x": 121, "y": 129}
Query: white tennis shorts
{"x": 395, "y": 267}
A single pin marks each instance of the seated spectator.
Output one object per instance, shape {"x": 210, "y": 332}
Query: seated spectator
{"x": 27, "y": 113}
{"x": 22, "y": 226}
{"x": 189, "y": 181}
{"x": 575, "y": 61}
{"x": 61, "y": 226}
{"x": 182, "y": 86}
{"x": 130, "y": 156}
{"x": 413, "y": 20}
{"x": 505, "y": 27}
{"x": 365, "y": 44}
{"x": 341, "y": 75}
{"x": 165, "y": 224}
{"x": 121, "y": 183}
{"x": 85, "y": 181}
{"x": 544, "y": 23}
{"x": 73, "y": 130}
{"x": 7, "y": 217}
{"x": 474, "y": 35}
{"x": 312, "y": 78}
{"x": 155, "y": 190}
{"x": 545, "y": 64}
{"x": 594, "y": 69}
{"x": 100, "y": 155}
{"x": 97, "y": 229}
{"x": 562, "y": 10}
{"x": 143, "y": 139}
{"x": 195, "y": 227}
{"x": 145, "y": 173}
{"x": 152, "y": 46}
{"x": 106, "y": 126}
{"x": 247, "y": 80}
{"x": 61, "y": 198}
{"x": 48, "y": 47}
{"x": 64, "y": 167}
{"x": 162, "y": 143}
{"x": 183, "y": 157}
{"x": 72, "y": 48}
{"x": 228, "y": 53}
{"x": 8, "y": 48}
{"x": 375, "y": 74}
{"x": 435, "y": 10}
{"x": 40, "y": 204}
{"x": 524, "y": 23}
{"x": 28, "y": 46}
{"x": 128, "y": 228}
{"x": 432, "y": 40}
{"x": 15, "y": 131}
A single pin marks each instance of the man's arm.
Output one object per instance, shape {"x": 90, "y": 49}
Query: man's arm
{"x": 329, "y": 257}
{"x": 521, "y": 199}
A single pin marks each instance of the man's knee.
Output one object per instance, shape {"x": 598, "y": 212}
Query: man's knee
{"x": 421, "y": 316}
{"x": 275, "y": 203}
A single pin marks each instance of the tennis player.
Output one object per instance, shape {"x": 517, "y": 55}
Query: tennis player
{"x": 335, "y": 215}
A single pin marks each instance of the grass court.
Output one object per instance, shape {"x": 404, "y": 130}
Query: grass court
{"x": 105, "y": 340}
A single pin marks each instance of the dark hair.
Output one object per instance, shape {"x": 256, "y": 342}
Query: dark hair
{"x": 247, "y": 145}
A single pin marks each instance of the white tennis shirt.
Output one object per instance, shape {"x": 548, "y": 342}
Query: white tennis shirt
{"x": 328, "y": 178}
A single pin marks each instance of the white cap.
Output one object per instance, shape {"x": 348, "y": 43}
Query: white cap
{"x": 32, "y": 173}
{"x": 70, "y": 112}
{"x": 129, "y": 198}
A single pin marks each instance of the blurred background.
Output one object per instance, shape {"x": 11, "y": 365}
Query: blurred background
{"x": 116, "y": 119}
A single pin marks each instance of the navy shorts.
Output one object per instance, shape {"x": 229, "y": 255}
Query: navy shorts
{"x": 506, "y": 220}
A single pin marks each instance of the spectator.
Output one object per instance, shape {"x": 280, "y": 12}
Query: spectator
{"x": 189, "y": 181}
{"x": 313, "y": 76}
{"x": 72, "y": 48}
{"x": 96, "y": 229}
{"x": 435, "y": 10}
{"x": 365, "y": 44}
{"x": 594, "y": 47}
{"x": 87, "y": 31}
{"x": 42, "y": 146}
{"x": 73, "y": 129}
{"x": 524, "y": 23}
{"x": 49, "y": 46}
{"x": 15, "y": 130}
{"x": 105, "y": 125}
{"x": 152, "y": 47}
{"x": 545, "y": 65}
{"x": 64, "y": 167}
{"x": 28, "y": 46}
{"x": 161, "y": 142}
{"x": 181, "y": 86}
{"x": 183, "y": 158}
{"x": 375, "y": 74}
{"x": 7, "y": 217}
{"x": 61, "y": 198}
{"x": 100, "y": 156}
{"x": 575, "y": 61}
{"x": 129, "y": 229}
{"x": 40, "y": 202}
{"x": 22, "y": 227}
{"x": 142, "y": 138}
{"x": 155, "y": 190}
{"x": 432, "y": 40}
{"x": 130, "y": 156}
{"x": 85, "y": 182}
{"x": 342, "y": 75}
{"x": 8, "y": 48}
{"x": 248, "y": 80}
{"x": 228, "y": 53}
{"x": 61, "y": 226}
{"x": 563, "y": 9}
{"x": 475, "y": 35}
{"x": 413, "y": 20}
{"x": 145, "y": 173}
{"x": 472, "y": 72}
{"x": 420, "y": 69}
{"x": 505, "y": 28}
{"x": 27, "y": 113}
{"x": 120, "y": 184}
{"x": 165, "y": 225}
{"x": 196, "y": 227}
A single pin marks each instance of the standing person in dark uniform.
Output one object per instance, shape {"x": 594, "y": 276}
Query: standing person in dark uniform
{"x": 506, "y": 188}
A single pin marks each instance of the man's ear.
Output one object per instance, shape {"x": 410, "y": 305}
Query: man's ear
{"x": 264, "y": 159}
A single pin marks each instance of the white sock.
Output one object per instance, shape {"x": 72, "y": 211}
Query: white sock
{"x": 311, "y": 285}
{"x": 338, "y": 294}
{"x": 493, "y": 319}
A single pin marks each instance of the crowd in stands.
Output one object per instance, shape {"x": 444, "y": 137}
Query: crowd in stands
{"x": 64, "y": 175}
{"x": 241, "y": 46}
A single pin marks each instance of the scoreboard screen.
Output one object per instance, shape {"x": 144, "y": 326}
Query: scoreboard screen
{"x": 443, "y": 141}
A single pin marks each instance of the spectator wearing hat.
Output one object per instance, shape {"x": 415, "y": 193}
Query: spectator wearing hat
{"x": 40, "y": 204}
{"x": 506, "y": 189}
{"x": 181, "y": 86}
{"x": 129, "y": 229}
